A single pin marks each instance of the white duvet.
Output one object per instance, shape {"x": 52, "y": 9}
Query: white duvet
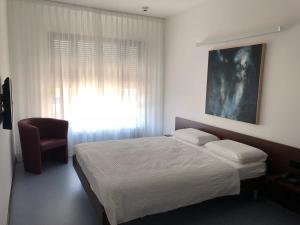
{"x": 138, "y": 177}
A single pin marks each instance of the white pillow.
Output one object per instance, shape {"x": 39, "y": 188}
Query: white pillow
{"x": 194, "y": 136}
{"x": 236, "y": 152}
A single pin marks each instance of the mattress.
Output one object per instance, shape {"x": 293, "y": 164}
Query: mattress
{"x": 138, "y": 177}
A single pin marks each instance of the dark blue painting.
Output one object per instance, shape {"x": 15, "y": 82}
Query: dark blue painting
{"x": 233, "y": 82}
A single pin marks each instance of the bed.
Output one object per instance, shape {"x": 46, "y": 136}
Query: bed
{"x": 161, "y": 174}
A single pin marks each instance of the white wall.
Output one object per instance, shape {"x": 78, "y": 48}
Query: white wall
{"x": 186, "y": 65}
{"x": 5, "y": 136}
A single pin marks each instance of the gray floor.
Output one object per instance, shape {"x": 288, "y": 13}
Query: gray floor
{"x": 57, "y": 198}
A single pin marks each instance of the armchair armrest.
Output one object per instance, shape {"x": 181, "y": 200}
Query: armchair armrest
{"x": 30, "y": 143}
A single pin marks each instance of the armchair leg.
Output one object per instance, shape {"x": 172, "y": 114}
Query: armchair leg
{"x": 34, "y": 171}
{"x": 62, "y": 154}
{"x": 66, "y": 160}
{"x": 33, "y": 167}
{"x": 65, "y": 157}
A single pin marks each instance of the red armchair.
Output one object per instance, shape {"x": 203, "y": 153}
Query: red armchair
{"x": 43, "y": 138}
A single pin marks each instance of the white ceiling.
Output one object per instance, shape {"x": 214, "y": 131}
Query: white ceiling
{"x": 158, "y": 8}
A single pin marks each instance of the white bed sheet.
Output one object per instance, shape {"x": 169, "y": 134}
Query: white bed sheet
{"x": 138, "y": 177}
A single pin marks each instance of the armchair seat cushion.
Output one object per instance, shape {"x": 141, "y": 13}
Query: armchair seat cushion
{"x": 52, "y": 143}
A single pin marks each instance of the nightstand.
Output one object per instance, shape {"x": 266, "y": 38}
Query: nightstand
{"x": 283, "y": 191}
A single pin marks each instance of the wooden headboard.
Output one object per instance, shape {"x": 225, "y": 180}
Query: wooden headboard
{"x": 279, "y": 154}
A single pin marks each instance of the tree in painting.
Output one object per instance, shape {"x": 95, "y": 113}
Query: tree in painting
{"x": 233, "y": 82}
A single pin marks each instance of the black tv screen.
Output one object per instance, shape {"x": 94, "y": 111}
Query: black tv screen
{"x": 6, "y": 104}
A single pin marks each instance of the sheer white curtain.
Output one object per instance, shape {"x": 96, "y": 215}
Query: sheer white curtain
{"x": 102, "y": 71}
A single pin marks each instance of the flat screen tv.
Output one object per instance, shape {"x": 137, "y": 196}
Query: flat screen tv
{"x": 6, "y": 104}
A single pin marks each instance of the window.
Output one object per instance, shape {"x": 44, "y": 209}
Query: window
{"x": 102, "y": 88}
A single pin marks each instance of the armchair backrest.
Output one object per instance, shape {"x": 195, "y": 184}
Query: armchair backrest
{"x": 47, "y": 127}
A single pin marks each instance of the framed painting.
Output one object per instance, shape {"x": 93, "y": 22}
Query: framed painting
{"x": 234, "y": 81}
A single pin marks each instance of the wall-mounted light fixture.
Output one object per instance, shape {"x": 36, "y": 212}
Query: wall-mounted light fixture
{"x": 240, "y": 37}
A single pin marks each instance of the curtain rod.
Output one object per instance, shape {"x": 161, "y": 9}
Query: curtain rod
{"x": 241, "y": 36}
{"x": 76, "y": 5}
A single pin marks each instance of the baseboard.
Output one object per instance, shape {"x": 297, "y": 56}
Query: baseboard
{"x": 11, "y": 190}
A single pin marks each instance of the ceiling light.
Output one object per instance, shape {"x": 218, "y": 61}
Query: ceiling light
{"x": 145, "y": 8}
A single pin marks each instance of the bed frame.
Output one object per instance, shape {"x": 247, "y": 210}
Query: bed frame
{"x": 278, "y": 160}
